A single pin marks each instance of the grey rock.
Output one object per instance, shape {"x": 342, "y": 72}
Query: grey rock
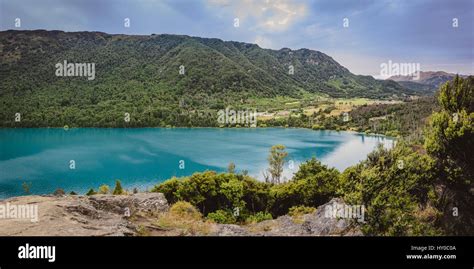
{"x": 229, "y": 230}
{"x": 319, "y": 223}
{"x": 138, "y": 202}
{"x": 315, "y": 224}
{"x": 282, "y": 226}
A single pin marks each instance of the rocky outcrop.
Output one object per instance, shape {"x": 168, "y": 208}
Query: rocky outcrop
{"x": 229, "y": 230}
{"x": 319, "y": 223}
{"x": 96, "y": 215}
{"x": 315, "y": 224}
{"x": 130, "y": 204}
{"x": 139, "y": 214}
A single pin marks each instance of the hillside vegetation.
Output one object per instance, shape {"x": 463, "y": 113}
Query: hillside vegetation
{"x": 139, "y": 75}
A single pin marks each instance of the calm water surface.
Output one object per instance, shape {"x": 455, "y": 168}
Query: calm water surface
{"x": 143, "y": 157}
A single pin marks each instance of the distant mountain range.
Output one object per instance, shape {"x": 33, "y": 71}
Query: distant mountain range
{"x": 427, "y": 82}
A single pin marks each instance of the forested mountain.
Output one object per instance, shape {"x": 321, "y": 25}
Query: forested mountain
{"x": 140, "y": 75}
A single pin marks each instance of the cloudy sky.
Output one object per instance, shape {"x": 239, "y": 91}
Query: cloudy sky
{"x": 403, "y": 31}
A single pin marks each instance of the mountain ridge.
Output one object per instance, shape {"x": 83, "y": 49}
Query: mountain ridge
{"x": 303, "y": 57}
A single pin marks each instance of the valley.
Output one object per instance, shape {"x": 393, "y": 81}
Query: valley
{"x": 123, "y": 125}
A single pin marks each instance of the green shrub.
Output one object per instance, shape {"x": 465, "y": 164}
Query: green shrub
{"x": 104, "y": 189}
{"x": 313, "y": 185}
{"x": 169, "y": 189}
{"x": 59, "y": 192}
{"x": 209, "y": 191}
{"x": 300, "y": 210}
{"x": 394, "y": 195}
{"x": 222, "y": 216}
{"x": 258, "y": 217}
{"x": 185, "y": 210}
{"x": 184, "y": 217}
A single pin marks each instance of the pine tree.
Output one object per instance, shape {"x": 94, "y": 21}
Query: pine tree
{"x": 91, "y": 192}
{"x": 118, "y": 188}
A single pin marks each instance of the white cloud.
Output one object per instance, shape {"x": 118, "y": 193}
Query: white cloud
{"x": 268, "y": 15}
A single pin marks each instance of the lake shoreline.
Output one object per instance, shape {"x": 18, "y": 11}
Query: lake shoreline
{"x": 201, "y": 127}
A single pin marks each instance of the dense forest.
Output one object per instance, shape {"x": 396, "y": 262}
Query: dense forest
{"x": 159, "y": 80}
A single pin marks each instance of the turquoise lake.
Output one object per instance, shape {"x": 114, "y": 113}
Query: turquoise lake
{"x": 144, "y": 157}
